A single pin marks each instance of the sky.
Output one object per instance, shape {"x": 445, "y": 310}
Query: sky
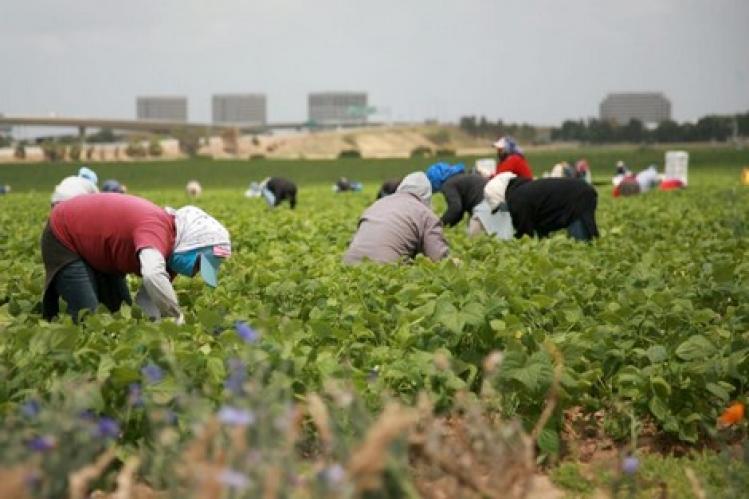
{"x": 534, "y": 61}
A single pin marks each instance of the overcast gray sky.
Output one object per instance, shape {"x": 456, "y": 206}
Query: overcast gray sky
{"x": 538, "y": 61}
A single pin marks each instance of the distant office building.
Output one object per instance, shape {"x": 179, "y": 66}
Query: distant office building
{"x": 240, "y": 109}
{"x": 338, "y": 108}
{"x": 162, "y": 108}
{"x": 648, "y": 107}
{"x": 5, "y": 129}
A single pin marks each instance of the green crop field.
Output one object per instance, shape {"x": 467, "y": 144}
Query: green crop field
{"x": 300, "y": 377}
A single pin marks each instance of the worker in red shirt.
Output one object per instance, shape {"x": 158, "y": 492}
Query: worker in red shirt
{"x": 91, "y": 242}
{"x": 510, "y": 158}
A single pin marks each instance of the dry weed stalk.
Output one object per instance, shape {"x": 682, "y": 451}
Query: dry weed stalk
{"x": 125, "y": 481}
{"x": 13, "y": 481}
{"x": 367, "y": 463}
{"x": 199, "y": 467}
{"x": 321, "y": 419}
{"x": 272, "y": 483}
{"x": 80, "y": 479}
{"x": 552, "y": 397}
{"x": 697, "y": 489}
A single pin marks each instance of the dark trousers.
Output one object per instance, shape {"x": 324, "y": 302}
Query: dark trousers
{"x": 578, "y": 230}
{"x": 83, "y": 288}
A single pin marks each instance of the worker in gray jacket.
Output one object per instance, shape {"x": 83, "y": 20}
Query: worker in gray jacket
{"x": 399, "y": 226}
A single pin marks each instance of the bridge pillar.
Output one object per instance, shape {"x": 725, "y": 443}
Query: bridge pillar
{"x": 82, "y": 135}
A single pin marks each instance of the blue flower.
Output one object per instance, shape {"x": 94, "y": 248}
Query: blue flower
{"x": 153, "y": 373}
{"x": 135, "y": 395}
{"x": 246, "y": 332}
{"x": 234, "y": 479}
{"x": 30, "y": 409}
{"x": 107, "y": 428}
{"x": 87, "y": 415}
{"x": 630, "y": 465}
{"x": 333, "y": 475}
{"x": 236, "y": 417}
{"x": 42, "y": 444}
{"x": 237, "y": 376}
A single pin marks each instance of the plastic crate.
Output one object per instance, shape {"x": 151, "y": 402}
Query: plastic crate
{"x": 677, "y": 165}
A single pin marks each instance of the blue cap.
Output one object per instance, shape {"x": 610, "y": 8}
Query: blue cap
{"x": 88, "y": 174}
{"x": 209, "y": 264}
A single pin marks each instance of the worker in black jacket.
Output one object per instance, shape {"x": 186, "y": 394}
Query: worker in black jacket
{"x": 462, "y": 193}
{"x": 540, "y": 207}
{"x": 388, "y": 187}
{"x": 281, "y": 189}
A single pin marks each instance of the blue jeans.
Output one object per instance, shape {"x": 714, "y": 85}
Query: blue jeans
{"x": 577, "y": 230}
{"x": 83, "y": 288}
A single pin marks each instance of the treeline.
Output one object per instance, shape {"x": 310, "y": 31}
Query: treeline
{"x": 709, "y": 128}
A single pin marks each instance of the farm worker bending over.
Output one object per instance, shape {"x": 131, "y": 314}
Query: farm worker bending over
{"x": 113, "y": 185}
{"x": 388, "y": 187}
{"x": 400, "y": 225}
{"x": 539, "y": 207}
{"x": 76, "y": 185}
{"x": 462, "y": 191}
{"x": 510, "y": 158}
{"x": 91, "y": 242}
{"x": 276, "y": 189}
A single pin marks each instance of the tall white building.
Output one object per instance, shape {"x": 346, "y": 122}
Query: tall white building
{"x": 5, "y": 129}
{"x": 240, "y": 109}
{"x": 164, "y": 108}
{"x": 650, "y": 108}
{"x": 337, "y": 108}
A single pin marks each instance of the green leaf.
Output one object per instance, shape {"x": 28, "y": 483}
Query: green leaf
{"x": 216, "y": 369}
{"x": 658, "y": 408}
{"x": 164, "y": 391}
{"x": 657, "y": 354}
{"x": 660, "y": 386}
{"x": 696, "y": 347}
{"x": 548, "y": 441}
{"x": 718, "y": 391}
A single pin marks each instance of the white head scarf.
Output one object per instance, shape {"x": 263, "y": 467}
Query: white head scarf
{"x": 417, "y": 183}
{"x": 197, "y": 229}
{"x": 496, "y": 188}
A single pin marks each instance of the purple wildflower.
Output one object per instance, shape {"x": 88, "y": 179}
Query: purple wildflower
{"x": 135, "y": 395}
{"x": 237, "y": 376}
{"x": 236, "y": 417}
{"x": 153, "y": 373}
{"x": 42, "y": 444}
{"x": 630, "y": 465}
{"x": 333, "y": 475}
{"x": 107, "y": 428}
{"x": 87, "y": 415}
{"x": 246, "y": 332}
{"x": 234, "y": 479}
{"x": 30, "y": 409}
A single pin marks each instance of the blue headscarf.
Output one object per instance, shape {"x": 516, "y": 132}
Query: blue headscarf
{"x": 439, "y": 172}
{"x": 508, "y": 146}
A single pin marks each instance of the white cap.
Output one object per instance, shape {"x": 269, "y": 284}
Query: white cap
{"x": 500, "y": 144}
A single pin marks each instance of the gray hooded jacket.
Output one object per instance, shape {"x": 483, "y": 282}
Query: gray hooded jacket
{"x": 400, "y": 225}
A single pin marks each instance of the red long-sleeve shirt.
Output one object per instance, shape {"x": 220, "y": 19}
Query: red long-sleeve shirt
{"x": 516, "y": 164}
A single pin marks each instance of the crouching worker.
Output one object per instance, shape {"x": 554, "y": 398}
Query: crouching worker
{"x": 91, "y": 242}
{"x": 399, "y": 226}
{"x": 540, "y": 207}
{"x": 276, "y": 190}
{"x": 388, "y": 187}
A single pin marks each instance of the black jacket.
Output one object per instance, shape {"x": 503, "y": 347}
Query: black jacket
{"x": 539, "y": 207}
{"x": 462, "y": 193}
{"x": 282, "y": 189}
{"x": 388, "y": 187}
